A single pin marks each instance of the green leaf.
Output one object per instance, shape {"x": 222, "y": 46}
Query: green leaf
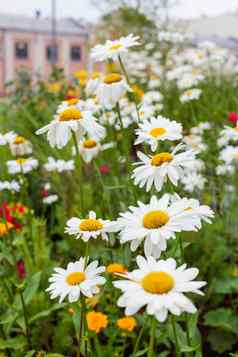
{"x": 225, "y": 319}
{"x": 32, "y": 285}
{"x": 227, "y": 285}
{"x": 189, "y": 348}
{"x": 45, "y": 313}
{"x": 221, "y": 341}
{"x": 13, "y": 343}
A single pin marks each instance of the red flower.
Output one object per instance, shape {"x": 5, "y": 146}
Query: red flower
{"x": 104, "y": 169}
{"x": 233, "y": 117}
{"x": 21, "y": 269}
{"x": 44, "y": 193}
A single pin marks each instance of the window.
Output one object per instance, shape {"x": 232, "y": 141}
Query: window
{"x": 52, "y": 53}
{"x": 75, "y": 53}
{"x": 21, "y": 50}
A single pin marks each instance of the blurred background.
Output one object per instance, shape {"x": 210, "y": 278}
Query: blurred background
{"x": 36, "y": 35}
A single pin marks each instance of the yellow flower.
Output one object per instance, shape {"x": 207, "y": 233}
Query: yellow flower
{"x": 138, "y": 92}
{"x": 54, "y": 87}
{"x": 92, "y": 301}
{"x": 81, "y": 75}
{"x": 116, "y": 268}
{"x": 127, "y": 323}
{"x": 71, "y": 311}
{"x": 96, "y": 321}
{"x": 4, "y": 228}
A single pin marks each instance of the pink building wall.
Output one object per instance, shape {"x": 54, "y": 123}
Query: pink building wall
{"x": 37, "y": 61}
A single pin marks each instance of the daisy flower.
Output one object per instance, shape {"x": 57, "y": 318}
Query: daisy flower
{"x": 77, "y": 278}
{"x": 113, "y": 49}
{"x": 111, "y": 89}
{"x": 58, "y": 165}
{"x": 158, "y": 129}
{"x": 155, "y": 223}
{"x": 228, "y": 134}
{"x": 89, "y": 149}
{"x": 48, "y": 200}
{"x": 7, "y": 138}
{"x": 69, "y": 119}
{"x": 190, "y": 94}
{"x": 21, "y": 165}
{"x": 229, "y": 154}
{"x": 154, "y": 170}
{"x": 19, "y": 146}
{"x": 159, "y": 285}
{"x": 90, "y": 227}
{"x": 93, "y": 83}
{"x": 10, "y": 185}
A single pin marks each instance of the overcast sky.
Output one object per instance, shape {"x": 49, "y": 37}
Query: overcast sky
{"x": 82, "y": 8}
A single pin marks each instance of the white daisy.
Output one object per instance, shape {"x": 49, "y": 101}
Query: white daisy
{"x": 111, "y": 89}
{"x": 190, "y": 94}
{"x": 154, "y": 170}
{"x": 155, "y": 223}
{"x": 228, "y": 134}
{"x": 229, "y": 154}
{"x": 93, "y": 84}
{"x": 113, "y": 49}
{"x": 21, "y": 165}
{"x": 159, "y": 286}
{"x": 10, "y": 186}
{"x": 50, "y": 199}
{"x": 195, "y": 142}
{"x": 19, "y": 146}
{"x": 193, "y": 181}
{"x": 89, "y": 149}
{"x": 155, "y": 129}
{"x": 77, "y": 278}
{"x": 69, "y": 119}
{"x": 59, "y": 165}
{"x": 90, "y": 227}
{"x": 7, "y": 138}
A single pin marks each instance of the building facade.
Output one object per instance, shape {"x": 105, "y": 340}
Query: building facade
{"x": 37, "y": 43}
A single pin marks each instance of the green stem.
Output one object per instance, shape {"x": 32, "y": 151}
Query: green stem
{"x": 125, "y": 143}
{"x": 25, "y": 319}
{"x": 123, "y": 68}
{"x": 152, "y": 338}
{"x": 177, "y": 348}
{"x": 79, "y": 167}
{"x": 138, "y": 340}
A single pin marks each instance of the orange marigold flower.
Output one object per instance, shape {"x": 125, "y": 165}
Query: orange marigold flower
{"x": 4, "y": 228}
{"x": 96, "y": 321}
{"x": 116, "y": 268}
{"x": 127, "y": 323}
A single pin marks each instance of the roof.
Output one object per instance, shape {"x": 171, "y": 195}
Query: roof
{"x": 223, "y": 26}
{"x": 68, "y": 26}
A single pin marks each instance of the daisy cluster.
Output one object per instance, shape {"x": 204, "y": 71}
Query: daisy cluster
{"x": 158, "y": 283}
{"x": 228, "y": 155}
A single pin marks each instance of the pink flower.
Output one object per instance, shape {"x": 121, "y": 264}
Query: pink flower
{"x": 21, "y": 269}
{"x": 233, "y": 117}
{"x": 104, "y": 169}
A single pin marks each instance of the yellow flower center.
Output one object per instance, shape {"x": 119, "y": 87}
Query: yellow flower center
{"x": 75, "y": 278}
{"x": 115, "y": 47}
{"x": 21, "y": 161}
{"x": 90, "y": 225}
{"x": 157, "y": 282}
{"x": 161, "y": 158}
{"x": 71, "y": 113}
{"x": 89, "y": 144}
{"x": 72, "y": 101}
{"x": 95, "y": 75}
{"x": 157, "y": 132}
{"x": 116, "y": 268}
{"x": 112, "y": 78}
{"x": 236, "y": 128}
{"x": 189, "y": 93}
{"x": 19, "y": 140}
{"x": 155, "y": 219}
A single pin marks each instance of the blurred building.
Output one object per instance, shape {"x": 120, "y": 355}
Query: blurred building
{"x": 36, "y": 43}
{"x": 222, "y": 29}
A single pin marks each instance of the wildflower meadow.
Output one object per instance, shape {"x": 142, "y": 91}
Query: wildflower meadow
{"x": 118, "y": 204}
